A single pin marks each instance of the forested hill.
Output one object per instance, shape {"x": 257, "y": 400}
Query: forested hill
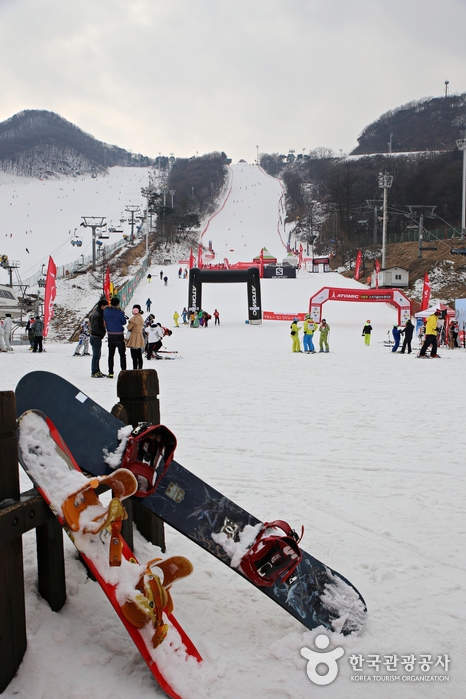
{"x": 430, "y": 124}
{"x": 38, "y": 143}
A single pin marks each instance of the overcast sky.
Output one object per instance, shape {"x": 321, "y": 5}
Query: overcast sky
{"x": 194, "y": 76}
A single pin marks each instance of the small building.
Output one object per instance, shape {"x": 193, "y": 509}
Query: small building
{"x": 389, "y": 278}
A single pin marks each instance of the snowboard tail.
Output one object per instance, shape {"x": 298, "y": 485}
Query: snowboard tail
{"x": 314, "y": 594}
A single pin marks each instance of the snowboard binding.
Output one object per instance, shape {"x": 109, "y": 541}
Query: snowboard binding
{"x": 274, "y": 555}
{"x": 83, "y": 511}
{"x": 149, "y": 452}
{"x": 153, "y": 596}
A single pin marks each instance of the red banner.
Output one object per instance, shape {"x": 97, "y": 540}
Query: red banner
{"x": 50, "y": 293}
{"x": 192, "y": 259}
{"x": 199, "y": 256}
{"x": 425, "y": 293}
{"x": 107, "y": 285}
{"x": 357, "y": 269}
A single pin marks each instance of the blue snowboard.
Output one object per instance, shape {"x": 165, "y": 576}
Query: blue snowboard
{"x": 319, "y": 596}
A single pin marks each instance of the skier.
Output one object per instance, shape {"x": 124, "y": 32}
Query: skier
{"x": 294, "y": 332}
{"x": 165, "y": 280}
{"x": 309, "y": 329}
{"x": 148, "y": 305}
{"x": 184, "y": 316}
{"x": 161, "y": 275}
{"x": 408, "y": 336}
{"x": 180, "y": 272}
{"x": 149, "y": 278}
{"x": 83, "y": 340}
{"x": 324, "y": 330}
{"x": 366, "y": 333}
{"x": 176, "y": 315}
{"x": 396, "y": 332}
{"x": 216, "y": 317}
{"x": 154, "y": 339}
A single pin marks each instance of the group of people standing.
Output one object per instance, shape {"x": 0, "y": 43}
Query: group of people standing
{"x": 309, "y": 328}
{"x": 122, "y": 332}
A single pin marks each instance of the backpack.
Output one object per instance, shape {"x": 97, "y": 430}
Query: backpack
{"x": 273, "y": 555}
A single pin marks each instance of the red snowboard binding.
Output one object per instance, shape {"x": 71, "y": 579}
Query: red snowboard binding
{"x": 273, "y": 555}
{"x": 149, "y": 452}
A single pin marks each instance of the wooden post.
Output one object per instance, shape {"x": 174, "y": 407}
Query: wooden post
{"x": 138, "y": 391}
{"x": 12, "y": 606}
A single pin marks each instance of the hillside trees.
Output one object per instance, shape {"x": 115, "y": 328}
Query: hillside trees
{"x": 196, "y": 184}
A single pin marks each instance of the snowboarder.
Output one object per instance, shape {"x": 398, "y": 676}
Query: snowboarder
{"x": 165, "y": 280}
{"x": 161, "y": 275}
{"x": 184, "y": 316}
{"x": 294, "y": 332}
{"x": 176, "y": 315}
{"x": 148, "y": 305}
{"x": 216, "y": 317}
{"x": 309, "y": 329}
{"x": 149, "y": 278}
{"x": 324, "y": 330}
{"x": 366, "y": 333}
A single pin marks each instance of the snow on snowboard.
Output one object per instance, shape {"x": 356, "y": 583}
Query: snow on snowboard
{"x": 141, "y": 595}
{"x": 267, "y": 554}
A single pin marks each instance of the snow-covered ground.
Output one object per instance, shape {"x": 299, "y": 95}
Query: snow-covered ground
{"x": 363, "y": 448}
{"x": 40, "y": 217}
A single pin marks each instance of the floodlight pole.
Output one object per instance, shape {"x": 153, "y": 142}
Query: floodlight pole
{"x": 385, "y": 182}
{"x": 461, "y": 144}
{"x": 93, "y": 222}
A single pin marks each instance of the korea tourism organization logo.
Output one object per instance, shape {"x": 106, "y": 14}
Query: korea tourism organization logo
{"x": 322, "y": 666}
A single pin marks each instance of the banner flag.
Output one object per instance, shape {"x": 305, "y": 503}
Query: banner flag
{"x": 425, "y": 293}
{"x": 199, "y": 256}
{"x": 50, "y": 294}
{"x": 107, "y": 285}
{"x": 357, "y": 269}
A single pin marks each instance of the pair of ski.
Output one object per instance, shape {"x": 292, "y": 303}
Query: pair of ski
{"x": 310, "y": 591}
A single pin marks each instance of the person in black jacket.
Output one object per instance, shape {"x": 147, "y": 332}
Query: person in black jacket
{"x": 408, "y": 336}
{"x": 98, "y": 331}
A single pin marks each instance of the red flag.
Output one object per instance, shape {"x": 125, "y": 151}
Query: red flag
{"x": 377, "y": 270}
{"x": 261, "y": 263}
{"x": 199, "y": 256}
{"x": 50, "y": 293}
{"x": 357, "y": 269}
{"x": 107, "y": 285}
{"x": 192, "y": 259}
{"x": 425, "y": 293}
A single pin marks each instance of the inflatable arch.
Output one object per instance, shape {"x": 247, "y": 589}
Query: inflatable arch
{"x": 213, "y": 276}
{"x": 391, "y": 296}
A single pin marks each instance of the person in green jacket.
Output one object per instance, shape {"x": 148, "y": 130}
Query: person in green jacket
{"x": 295, "y": 343}
{"x": 324, "y": 330}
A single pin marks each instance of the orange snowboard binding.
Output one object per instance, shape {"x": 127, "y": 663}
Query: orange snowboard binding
{"x": 153, "y": 596}
{"x": 84, "y": 512}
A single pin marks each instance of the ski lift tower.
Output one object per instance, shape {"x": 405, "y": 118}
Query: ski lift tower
{"x": 93, "y": 222}
{"x": 385, "y": 182}
{"x": 132, "y": 210}
{"x": 9, "y": 265}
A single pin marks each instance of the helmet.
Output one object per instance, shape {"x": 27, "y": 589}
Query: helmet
{"x": 295, "y": 320}
{"x": 323, "y": 320}
{"x": 368, "y": 321}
